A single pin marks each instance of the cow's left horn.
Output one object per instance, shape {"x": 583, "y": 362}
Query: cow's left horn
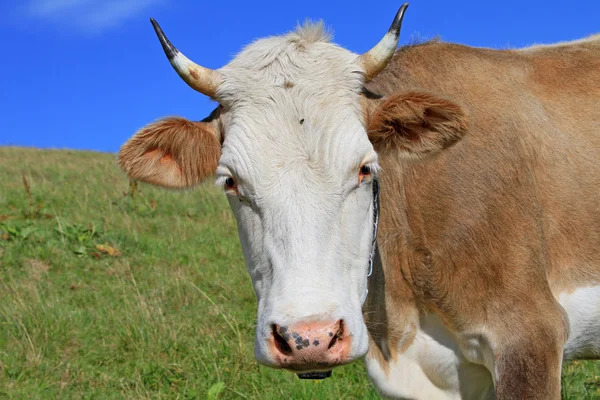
{"x": 204, "y": 80}
{"x": 376, "y": 59}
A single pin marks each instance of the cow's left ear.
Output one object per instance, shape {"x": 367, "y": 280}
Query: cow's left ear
{"x": 416, "y": 123}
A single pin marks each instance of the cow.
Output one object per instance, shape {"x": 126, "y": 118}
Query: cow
{"x": 476, "y": 171}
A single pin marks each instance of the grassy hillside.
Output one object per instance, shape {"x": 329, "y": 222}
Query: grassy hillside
{"x": 105, "y": 294}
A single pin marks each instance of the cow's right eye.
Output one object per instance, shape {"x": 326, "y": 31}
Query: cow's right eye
{"x": 229, "y": 184}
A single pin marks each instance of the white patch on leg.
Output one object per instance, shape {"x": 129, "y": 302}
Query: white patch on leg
{"x": 583, "y": 310}
{"x": 433, "y": 367}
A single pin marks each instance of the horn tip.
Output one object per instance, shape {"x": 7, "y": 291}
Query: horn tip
{"x": 170, "y": 50}
{"x": 155, "y": 24}
{"x": 397, "y": 24}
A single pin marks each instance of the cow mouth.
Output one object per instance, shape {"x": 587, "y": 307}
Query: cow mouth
{"x": 315, "y": 375}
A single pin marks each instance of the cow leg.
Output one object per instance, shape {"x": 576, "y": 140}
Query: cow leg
{"x": 528, "y": 365}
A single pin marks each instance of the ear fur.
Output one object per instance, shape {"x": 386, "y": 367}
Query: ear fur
{"x": 417, "y": 123}
{"x": 172, "y": 153}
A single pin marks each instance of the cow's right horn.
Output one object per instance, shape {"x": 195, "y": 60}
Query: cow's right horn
{"x": 204, "y": 80}
{"x": 376, "y": 59}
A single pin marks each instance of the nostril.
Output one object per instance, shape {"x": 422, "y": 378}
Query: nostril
{"x": 333, "y": 342}
{"x": 280, "y": 343}
{"x": 336, "y": 336}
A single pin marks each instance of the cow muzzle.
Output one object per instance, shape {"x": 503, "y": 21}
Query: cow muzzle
{"x": 311, "y": 349}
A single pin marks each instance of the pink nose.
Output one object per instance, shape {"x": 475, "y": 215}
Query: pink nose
{"x": 311, "y": 345}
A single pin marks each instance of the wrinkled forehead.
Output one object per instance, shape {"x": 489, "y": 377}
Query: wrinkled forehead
{"x": 294, "y": 97}
{"x": 304, "y": 59}
{"x": 300, "y": 75}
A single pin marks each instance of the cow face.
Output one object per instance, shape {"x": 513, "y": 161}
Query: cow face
{"x": 298, "y": 169}
{"x": 289, "y": 147}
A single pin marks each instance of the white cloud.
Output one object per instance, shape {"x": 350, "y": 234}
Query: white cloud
{"x": 90, "y": 16}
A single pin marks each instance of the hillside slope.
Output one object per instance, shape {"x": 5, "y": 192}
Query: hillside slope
{"x": 107, "y": 291}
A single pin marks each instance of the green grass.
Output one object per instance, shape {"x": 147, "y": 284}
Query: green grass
{"x": 104, "y": 295}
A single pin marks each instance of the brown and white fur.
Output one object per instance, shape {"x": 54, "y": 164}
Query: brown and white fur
{"x": 487, "y": 273}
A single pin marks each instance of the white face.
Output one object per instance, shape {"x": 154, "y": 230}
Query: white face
{"x": 291, "y": 165}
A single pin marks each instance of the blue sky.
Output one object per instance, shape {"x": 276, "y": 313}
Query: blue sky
{"x": 86, "y": 74}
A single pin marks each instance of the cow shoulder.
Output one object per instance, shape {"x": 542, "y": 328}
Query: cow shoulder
{"x": 172, "y": 152}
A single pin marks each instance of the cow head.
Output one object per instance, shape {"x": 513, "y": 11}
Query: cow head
{"x": 289, "y": 146}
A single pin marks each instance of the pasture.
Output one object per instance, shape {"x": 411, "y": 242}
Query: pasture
{"x": 115, "y": 291}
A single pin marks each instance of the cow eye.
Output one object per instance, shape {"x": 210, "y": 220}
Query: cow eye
{"x": 364, "y": 173}
{"x": 229, "y": 183}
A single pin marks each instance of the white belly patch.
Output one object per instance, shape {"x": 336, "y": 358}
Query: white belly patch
{"x": 583, "y": 310}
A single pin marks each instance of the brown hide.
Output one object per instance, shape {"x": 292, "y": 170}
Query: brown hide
{"x": 484, "y": 232}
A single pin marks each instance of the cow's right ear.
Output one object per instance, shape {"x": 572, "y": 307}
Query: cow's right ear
{"x": 172, "y": 153}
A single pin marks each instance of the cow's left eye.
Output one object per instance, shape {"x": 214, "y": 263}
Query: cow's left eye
{"x": 364, "y": 172}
